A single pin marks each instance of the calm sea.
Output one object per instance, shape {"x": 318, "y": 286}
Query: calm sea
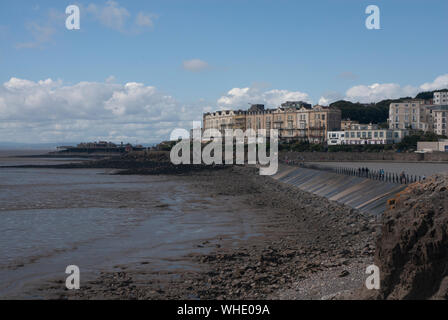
{"x": 52, "y": 218}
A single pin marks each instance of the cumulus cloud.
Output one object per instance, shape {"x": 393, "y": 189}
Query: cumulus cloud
{"x": 195, "y": 65}
{"x": 377, "y": 92}
{"x": 48, "y": 110}
{"x": 330, "y": 97}
{"x": 381, "y": 91}
{"x": 240, "y": 97}
{"x": 441, "y": 82}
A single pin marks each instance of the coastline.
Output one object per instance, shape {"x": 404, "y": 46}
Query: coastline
{"x": 311, "y": 248}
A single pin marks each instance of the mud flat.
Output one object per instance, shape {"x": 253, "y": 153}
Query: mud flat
{"x": 306, "y": 247}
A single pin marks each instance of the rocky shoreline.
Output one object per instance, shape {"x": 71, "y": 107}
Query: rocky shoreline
{"x": 311, "y": 248}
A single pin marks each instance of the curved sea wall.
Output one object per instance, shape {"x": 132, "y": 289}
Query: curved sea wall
{"x": 366, "y": 195}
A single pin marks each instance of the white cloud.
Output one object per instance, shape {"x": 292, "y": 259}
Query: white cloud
{"x": 347, "y": 75}
{"x": 42, "y": 30}
{"x": 238, "y": 98}
{"x": 377, "y": 92}
{"x": 48, "y": 110}
{"x": 441, "y": 82}
{"x": 195, "y": 65}
{"x": 381, "y": 91}
{"x": 113, "y": 15}
{"x": 110, "y": 79}
{"x": 330, "y": 97}
{"x": 41, "y": 35}
{"x": 144, "y": 20}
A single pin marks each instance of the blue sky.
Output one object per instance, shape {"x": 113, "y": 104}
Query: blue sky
{"x": 192, "y": 54}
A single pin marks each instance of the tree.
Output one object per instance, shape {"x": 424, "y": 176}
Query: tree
{"x": 374, "y": 112}
{"x": 410, "y": 142}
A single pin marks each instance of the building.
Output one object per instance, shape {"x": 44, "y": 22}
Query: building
{"x": 439, "y": 114}
{"x": 321, "y": 120}
{"x": 221, "y": 120}
{"x": 100, "y": 147}
{"x": 440, "y": 97}
{"x": 296, "y": 104}
{"x": 347, "y": 124}
{"x": 410, "y": 114}
{"x": 294, "y": 120}
{"x": 366, "y": 134}
{"x": 431, "y": 146}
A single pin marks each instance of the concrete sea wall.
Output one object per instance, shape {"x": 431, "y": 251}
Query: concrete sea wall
{"x": 366, "y": 195}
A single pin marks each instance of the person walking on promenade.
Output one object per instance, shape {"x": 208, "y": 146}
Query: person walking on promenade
{"x": 402, "y": 177}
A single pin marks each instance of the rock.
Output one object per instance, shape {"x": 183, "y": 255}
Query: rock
{"x": 412, "y": 252}
{"x": 343, "y": 273}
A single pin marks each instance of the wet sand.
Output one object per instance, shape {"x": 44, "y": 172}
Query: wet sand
{"x": 291, "y": 245}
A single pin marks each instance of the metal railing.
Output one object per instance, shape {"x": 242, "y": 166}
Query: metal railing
{"x": 362, "y": 172}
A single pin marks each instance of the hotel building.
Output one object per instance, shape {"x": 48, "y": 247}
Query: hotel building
{"x": 411, "y": 114}
{"x": 294, "y": 120}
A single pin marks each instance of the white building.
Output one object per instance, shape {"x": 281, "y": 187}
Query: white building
{"x": 366, "y": 136}
{"x": 411, "y": 114}
{"x": 440, "y": 116}
{"x": 440, "y": 98}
